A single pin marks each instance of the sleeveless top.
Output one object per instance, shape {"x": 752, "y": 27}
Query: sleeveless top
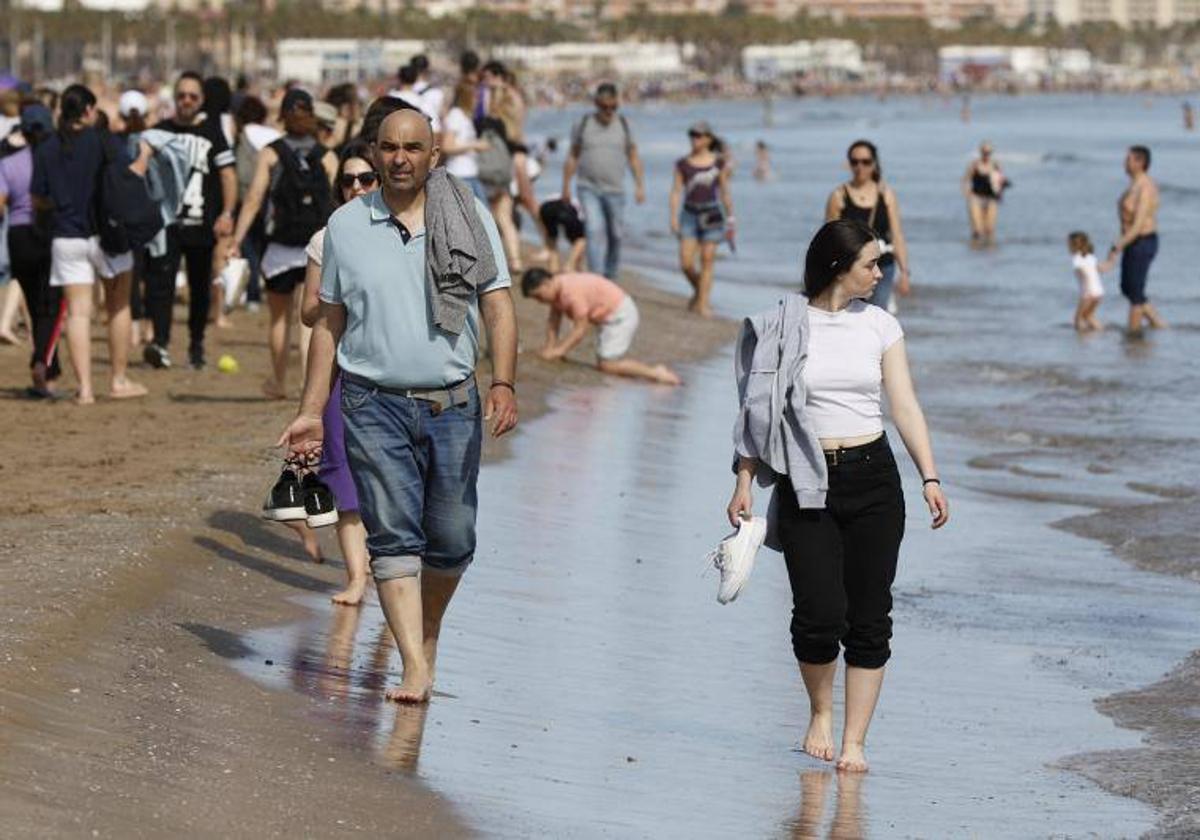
{"x": 881, "y": 223}
{"x": 701, "y": 184}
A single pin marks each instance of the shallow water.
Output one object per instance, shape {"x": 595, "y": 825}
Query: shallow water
{"x": 593, "y": 686}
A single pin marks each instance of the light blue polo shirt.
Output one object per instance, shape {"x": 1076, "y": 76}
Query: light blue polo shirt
{"x": 390, "y": 338}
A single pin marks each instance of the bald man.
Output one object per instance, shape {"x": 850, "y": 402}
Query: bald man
{"x": 413, "y": 413}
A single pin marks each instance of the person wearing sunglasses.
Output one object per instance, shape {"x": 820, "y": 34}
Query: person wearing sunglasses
{"x": 205, "y": 214}
{"x": 601, "y": 146}
{"x": 356, "y": 176}
{"x": 296, "y": 173}
{"x": 866, "y": 198}
{"x": 706, "y": 217}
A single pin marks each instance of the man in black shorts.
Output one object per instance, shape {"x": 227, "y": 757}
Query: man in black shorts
{"x": 561, "y": 216}
{"x": 205, "y": 214}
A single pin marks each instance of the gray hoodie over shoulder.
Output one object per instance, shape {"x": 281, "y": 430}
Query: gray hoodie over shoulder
{"x": 772, "y": 425}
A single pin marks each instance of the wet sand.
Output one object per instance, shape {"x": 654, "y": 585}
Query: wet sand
{"x": 135, "y": 562}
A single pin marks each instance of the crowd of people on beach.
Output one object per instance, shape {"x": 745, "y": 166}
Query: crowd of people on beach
{"x": 386, "y": 240}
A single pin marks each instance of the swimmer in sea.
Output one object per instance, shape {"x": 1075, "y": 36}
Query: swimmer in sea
{"x": 983, "y": 183}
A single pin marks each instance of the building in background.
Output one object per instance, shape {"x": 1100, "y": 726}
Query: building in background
{"x": 328, "y": 61}
{"x": 1024, "y": 65}
{"x": 627, "y": 59}
{"x": 831, "y": 58}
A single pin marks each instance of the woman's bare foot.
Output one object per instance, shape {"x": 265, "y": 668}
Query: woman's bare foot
{"x": 85, "y": 398}
{"x": 7, "y": 337}
{"x": 272, "y": 390}
{"x": 666, "y": 376}
{"x": 416, "y": 687}
{"x": 127, "y": 389}
{"x": 852, "y": 759}
{"x": 818, "y": 741}
{"x": 312, "y": 547}
{"x": 352, "y": 595}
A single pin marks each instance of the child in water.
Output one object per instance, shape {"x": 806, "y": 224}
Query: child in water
{"x": 1087, "y": 271}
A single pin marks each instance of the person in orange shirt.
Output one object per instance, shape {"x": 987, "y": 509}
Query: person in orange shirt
{"x": 589, "y": 299}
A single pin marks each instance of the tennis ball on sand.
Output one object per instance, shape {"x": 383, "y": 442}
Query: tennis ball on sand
{"x": 227, "y": 364}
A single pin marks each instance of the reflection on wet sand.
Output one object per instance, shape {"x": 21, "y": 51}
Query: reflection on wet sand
{"x": 849, "y": 820}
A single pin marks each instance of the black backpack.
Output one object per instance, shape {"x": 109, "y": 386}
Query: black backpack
{"x": 126, "y": 216}
{"x": 301, "y": 200}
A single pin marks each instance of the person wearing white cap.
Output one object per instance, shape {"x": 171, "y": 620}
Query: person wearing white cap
{"x": 133, "y": 105}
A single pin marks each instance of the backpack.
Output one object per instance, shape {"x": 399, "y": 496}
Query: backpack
{"x": 301, "y": 199}
{"x": 496, "y": 163}
{"x": 126, "y": 216}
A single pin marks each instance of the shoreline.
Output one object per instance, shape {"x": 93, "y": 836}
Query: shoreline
{"x": 151, "y": 562}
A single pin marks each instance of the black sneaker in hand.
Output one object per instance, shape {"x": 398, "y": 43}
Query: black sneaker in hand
{"x": 318, "y": 502}
{"x": 285, "y": 502}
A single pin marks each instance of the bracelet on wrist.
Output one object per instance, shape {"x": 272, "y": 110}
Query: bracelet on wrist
{"x": 936, "y": 481}
{"x": 503, "y": 383}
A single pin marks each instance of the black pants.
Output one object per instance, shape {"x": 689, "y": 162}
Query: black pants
{"x": 841, "y": 560}
{"x": 160, "y": 288}
{"x": 29, "y": 253}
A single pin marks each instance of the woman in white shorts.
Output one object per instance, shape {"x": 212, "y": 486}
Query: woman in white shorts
{"x": 66, "y": 168}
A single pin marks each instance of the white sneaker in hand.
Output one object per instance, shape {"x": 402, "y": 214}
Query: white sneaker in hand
{"x": 734, "y": 557}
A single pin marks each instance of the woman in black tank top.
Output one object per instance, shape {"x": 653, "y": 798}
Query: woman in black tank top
{"x": 866, "y": 198}
{"x": 982, "y": 185}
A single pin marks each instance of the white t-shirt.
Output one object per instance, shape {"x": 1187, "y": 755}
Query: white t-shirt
{"x": 1088, "y": 272}
{"x": 844, "y": 371}
{"x": 464, "y": 164}
{"x": 417, "y": 101}
{"x": 315, "y": 249}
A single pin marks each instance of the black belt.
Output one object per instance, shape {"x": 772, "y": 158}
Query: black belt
{"x": 854, "y": 454}
{"x": 442, "y": 398}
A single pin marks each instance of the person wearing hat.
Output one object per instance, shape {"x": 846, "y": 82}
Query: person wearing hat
{"x": 28, "y": 247}
{"x": 327, "y": 120}
{"x": 283, "y": 172}
{"x": 706, "y": 217}
{"x": 205, "y": 214}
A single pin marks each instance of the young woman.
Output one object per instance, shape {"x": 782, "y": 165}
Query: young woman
{"x": 66, "y": 168}
{"x": 356, "y": 176}
{"x": 460, "y": 144}
{"x": 283, "y": 262}
{"x": 29, "y": 248}
{"x": 838, "y": 511}
{"x": 866, "y": 198}
{"x": 706, "y": 217}
{"x": 983, "y": 184}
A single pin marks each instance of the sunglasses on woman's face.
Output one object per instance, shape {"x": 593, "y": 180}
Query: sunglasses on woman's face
{"x": 367, "y": 179}
{"x": 862, "y": 162}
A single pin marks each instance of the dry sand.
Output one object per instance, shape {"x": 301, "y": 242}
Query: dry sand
{"x": 133, "y": 558}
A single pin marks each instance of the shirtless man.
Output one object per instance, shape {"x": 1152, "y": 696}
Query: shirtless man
{"x": 1138, "y": 245}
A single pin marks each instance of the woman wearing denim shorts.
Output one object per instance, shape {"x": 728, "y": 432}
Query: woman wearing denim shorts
{"x": 702, "y": 181}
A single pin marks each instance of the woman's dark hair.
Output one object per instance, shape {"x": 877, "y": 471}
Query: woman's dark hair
{"x": 251, "y": 110}
{"x": 343, "y": 94}
{"x": 831, "y": 253}
{"x": 73, "y": 104}
{"x": 870, "y": 147}
{"x": 356, "y": 148}
{"x": 218, "y": 97}
{"x": 135, "y": 123}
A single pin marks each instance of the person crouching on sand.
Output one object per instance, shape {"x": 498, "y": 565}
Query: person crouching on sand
{"x": 587, "y": 300}
{"x": 838, "y": 507}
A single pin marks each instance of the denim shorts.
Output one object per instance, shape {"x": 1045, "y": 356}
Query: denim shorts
{"x": 689, "y": 225}
{"x": 415, "y": 469}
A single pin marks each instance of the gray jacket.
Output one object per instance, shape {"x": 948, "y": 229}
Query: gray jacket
{"x": 458, "y": 254}
{"x": 772, "y": 425}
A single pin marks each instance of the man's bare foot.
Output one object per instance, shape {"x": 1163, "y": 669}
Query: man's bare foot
{"x": 352, "y": 595}
{"x": 703, "y": 310}
{"x": 852, "y": 759}
{"x": 416, "y": 687}
{"x": 666, "y": 376}
{"x": 312, "y": 547}
{"x": 272, "y": 390}
{"x": 127, "y": 389}
{"x": 818, "y": 741}
{"x": 85, "y": 398}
